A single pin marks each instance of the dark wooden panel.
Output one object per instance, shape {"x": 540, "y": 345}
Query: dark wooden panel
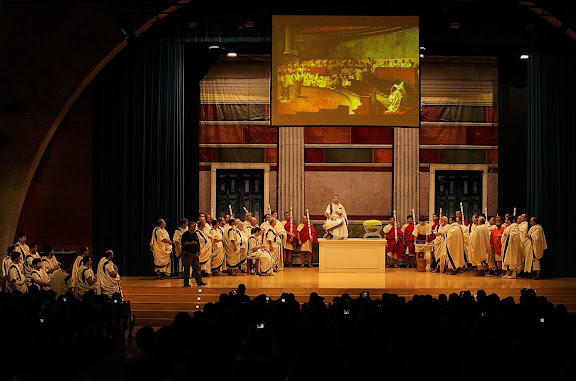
{"x": 429, "y": 156}
{"x": 480, "y": 136}
{"x": 208, "y": 154}
{"x": 313, "y": 155}
{"x": 430, "y": 114}
{"x": 241, "y": 155}
{"x": 372, "y": 135}
{"x": 58, "y": 205}
{"x": 348, "y": 155}
{"x": 271, "y": 155}
{"x": 492, "y": 156}
{"x": 462, "y": 156}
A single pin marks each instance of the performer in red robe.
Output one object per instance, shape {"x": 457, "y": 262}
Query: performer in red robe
{"x": 496, "y": 243}
{"x": 306, "y": 242}
{"x": 409, "y": 248}
{"x": 394, "y": 247}
{"x": 289, "y": 239}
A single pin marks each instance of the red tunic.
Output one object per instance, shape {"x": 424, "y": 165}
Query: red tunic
{"x": 294, "y": 231}
{"x": 435, "y": 226}
{"x": 409, "y": 238}
{"x": 391, "y": 245}
{"x": 495, "y": 241}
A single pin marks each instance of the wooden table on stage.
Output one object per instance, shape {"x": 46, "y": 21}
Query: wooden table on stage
{"x": 427, "y": 253}
{"x": 353, "y": 255}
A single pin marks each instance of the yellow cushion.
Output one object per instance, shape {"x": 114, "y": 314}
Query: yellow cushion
{"x": 372, "y": 223}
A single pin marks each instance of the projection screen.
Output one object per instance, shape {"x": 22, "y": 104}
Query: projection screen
{"x": 345, "y": 71}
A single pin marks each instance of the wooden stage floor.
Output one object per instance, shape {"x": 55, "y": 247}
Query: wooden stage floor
{"x": 156, "y": 302}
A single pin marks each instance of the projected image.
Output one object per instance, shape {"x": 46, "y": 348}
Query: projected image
{"x": 344, "y": 70}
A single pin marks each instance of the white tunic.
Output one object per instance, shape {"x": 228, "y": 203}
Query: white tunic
{"x": 15, "y": 275}
{"x": 266, "y": 261}
{"x": 479, "y": 244}
{"x": 217, "y": 259}
{"x": 205, "y": 252}
{"x": 455, "y": 246}
{"x": 511, "y": 248}
{"x": 106, "y": 284}
{"x": 161, "y": 250}
{"x": 84, "y": 273}
{"x": 338, "y": 227}
{"x": 39, "y": 275}
{"x": 536, "y": 249}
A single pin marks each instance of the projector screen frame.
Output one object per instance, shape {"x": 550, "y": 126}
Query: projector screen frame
{"x": 373, "y": 120}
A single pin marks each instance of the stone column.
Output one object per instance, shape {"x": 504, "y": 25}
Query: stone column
{"x": 291, "y": 171}
{"x": 406, "y": 172}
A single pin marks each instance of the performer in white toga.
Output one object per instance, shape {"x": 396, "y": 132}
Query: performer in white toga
{"x": 337, "y": 222}
{"x": 161, "y": 247}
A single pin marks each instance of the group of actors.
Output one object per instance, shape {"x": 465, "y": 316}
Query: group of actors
{"x": 506, "y": 246}
{"x": 213, "y": 246}
{"x": 24, "y": 269}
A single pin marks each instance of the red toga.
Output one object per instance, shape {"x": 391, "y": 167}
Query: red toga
{"x": 391, "y": 245}
{"x": 409, "y": 238}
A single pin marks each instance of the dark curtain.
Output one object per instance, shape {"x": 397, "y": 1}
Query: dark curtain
{"x": 198, "y": 62}
{"x": 551, "y": 140}
{"x": 512, "y": 134}
{"x": 140, "y": 147}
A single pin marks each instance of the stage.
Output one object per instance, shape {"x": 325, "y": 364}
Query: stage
{"x": 156, "y": 302}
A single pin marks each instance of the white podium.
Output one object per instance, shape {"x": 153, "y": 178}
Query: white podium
{"x": 353, "y": 255}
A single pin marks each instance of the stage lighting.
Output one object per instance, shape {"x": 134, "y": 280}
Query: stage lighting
{"x": 213, "y": 47}
{"x": 524, "y": 56}
{"x": 454, "y": 25}
{"x": 421, "y": 55}
{"x": 422, "y": 48}
{"x": 232, "y": 54}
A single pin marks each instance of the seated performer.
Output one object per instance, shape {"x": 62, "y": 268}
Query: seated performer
{"x": 108, "y": 277}
{"x": 337, "y": 220}
{"x": 537, "y": 241}
{"x": 86, "y": 280}
{"x": 16, "y": 279}
{"x": 161, "y": 247}
{"x": 306, "y": 242}
{"x": 258, "y": 249}
{"x": 455, "y": 248}
{"x": 39, "y": 276}
{"x": 397, "y": 92}
{"x": 408, "y": 236}
{"x": 289, "y": 243}
{"x": 511, "y": 248}
{"x": 394, "y": 248}
{"x": 205, "y": 254}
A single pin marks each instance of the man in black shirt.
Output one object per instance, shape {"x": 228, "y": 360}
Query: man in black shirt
{"x": 190, "y": 246}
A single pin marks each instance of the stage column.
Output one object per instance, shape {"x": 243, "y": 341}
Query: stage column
{"x": 406, "y": 172}
{"x": 291, "y": 171}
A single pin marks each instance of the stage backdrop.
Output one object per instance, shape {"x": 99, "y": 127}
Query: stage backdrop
{"x": 345, "y": 71}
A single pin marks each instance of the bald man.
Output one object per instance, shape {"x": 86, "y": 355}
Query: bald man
{"x": 161, "y": 247}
